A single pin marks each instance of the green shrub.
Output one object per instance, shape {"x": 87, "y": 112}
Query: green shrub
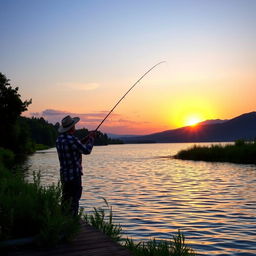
{"x": 104, "y": 223}
{"x": 41, "y": 147}
{"x": 240, "y": 152}
{"x": 239, "y": 142}
{"x": 32, "y": 210}
{"x": 173, "y": 247}
{"x": 6, "y": 157}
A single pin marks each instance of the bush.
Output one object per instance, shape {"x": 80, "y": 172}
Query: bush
{"x": 6, "y": 157}
{"x": 173, "y": 247}
{"x": 239, "y": 142}
{"x": 41, "y": 147}
{"x": 32, "y": 210}
{"x": 240, "y": 152}
{"x": 100, "y": 221}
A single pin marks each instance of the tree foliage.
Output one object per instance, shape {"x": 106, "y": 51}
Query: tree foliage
{"x": 40, "y": 131}
{"x": 11, "y": 107}
{"x": 101, "y": 139}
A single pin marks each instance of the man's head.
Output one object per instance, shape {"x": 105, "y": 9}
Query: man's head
{"x": 68, "y": 124}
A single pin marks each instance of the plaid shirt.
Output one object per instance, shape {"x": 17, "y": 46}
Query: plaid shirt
{"x": 70, "y": 150}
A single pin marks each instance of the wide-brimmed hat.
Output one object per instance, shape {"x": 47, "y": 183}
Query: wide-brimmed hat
{"x": 67, "y": 123}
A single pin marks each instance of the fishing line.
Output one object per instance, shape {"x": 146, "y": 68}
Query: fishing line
{"x": 127, "y": 93}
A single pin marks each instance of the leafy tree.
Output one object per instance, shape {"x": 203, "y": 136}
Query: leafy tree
{"x": 40, "y": 131}
{"x": 11, "y": 107}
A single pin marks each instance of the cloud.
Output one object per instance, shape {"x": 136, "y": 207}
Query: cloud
{"x": 53, "y": 112}
{"x": 35, "y": 114}
{"x": 114, "y": 124}
{"x": 54, "y": 116}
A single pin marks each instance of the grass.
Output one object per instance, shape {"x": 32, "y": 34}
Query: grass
{"x": 104, "y": 222}
{"x": 240, "y": 152}
{"x": 30, "y": 210}
{"x": 173, "y": 247}
{"x": 41, "y": 147}
{"x": 99, "y": 219}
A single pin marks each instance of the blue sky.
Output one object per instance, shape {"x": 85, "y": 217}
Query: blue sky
{"x": 80, "y": 56}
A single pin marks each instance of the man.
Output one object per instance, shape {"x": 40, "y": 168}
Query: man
{"x": 70, "y": 150}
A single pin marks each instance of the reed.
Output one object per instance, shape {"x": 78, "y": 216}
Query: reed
{"x": 240, "y": 152}
{"x": 41, "y": 147}
{"x": 173, "y": 247}
{"x": 102, "y": 219}
{"x": 30, "y": 210}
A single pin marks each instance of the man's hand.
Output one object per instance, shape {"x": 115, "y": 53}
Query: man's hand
{"x": 92, "y": 134}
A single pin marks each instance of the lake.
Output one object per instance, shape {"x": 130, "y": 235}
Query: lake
{"x": 152, "y": 195}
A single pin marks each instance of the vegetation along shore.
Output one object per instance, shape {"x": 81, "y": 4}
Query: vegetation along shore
{"x": 242, "y": 152}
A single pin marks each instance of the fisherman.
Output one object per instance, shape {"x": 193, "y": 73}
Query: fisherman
{"x": 70, "y": 150}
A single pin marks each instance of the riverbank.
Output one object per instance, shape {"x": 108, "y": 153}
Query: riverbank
{"x": 89, "y": 241}
{"x": 241, "y": 152}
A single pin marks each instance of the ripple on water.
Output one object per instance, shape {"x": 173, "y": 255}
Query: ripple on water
{"x": 212, "y": 203}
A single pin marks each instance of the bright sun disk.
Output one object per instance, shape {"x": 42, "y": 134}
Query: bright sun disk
{"x": 193, "y": 120}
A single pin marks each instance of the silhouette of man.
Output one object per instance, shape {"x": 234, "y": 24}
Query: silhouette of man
{"x": 70, "y": 150}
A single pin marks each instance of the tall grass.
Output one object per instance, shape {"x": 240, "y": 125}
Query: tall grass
{"x": 41, "y": 147}
{"x": 104, "y": 222}
{"x": 173, "y": 247}
{"x": 6, "y": 158}
{"x": 240, "y": 152}
{"x": 30, "y": 210}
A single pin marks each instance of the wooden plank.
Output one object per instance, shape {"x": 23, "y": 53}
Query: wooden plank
{"x": 89, "y": 242}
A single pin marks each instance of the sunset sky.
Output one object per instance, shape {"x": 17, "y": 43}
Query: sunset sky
{"x": 79, "y": 57}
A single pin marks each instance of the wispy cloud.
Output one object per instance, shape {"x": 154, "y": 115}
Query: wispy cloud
{"x": 114, "y": 124}
{"x": 86, "y": 119}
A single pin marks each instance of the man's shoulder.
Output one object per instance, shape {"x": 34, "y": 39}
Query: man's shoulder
{"x": 67, "y": 138}
{"x": 60, "y": 137}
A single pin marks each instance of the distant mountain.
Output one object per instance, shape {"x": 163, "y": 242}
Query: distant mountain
{"x": 118, "y": 136}
{"x": 213, "y": 121}
{"x": 241, "y": 127}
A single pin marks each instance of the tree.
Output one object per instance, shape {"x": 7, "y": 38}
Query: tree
{"x": 11, "y": 107}
{"x": 40, "y": 131}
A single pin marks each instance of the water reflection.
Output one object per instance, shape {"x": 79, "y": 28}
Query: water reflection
{"x": 154, "y": 196}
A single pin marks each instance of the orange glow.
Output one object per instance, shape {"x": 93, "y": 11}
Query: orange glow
{"x": 193, "y": 120}
{"x": 190, "y": 110}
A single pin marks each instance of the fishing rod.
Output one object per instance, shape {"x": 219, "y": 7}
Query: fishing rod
{"x": 126, "y": 94}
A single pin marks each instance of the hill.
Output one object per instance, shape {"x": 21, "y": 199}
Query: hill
{"x": 241, "y": 127}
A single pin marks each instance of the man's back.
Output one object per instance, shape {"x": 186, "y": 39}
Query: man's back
{"x": 70, "y": 151}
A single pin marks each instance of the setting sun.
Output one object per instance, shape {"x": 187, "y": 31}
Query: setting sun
{"x": 193, "y": 120}
{"x": 190, "y": 110}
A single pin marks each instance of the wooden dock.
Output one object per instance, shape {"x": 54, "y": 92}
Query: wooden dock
{"x": 89, "y": 242}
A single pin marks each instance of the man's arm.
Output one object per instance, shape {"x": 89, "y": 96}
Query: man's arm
{"x": 85, "y": 146}
{"x": 91, "y": 134}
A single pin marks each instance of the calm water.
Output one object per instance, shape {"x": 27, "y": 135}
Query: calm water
{"x": 214, "y": 204}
